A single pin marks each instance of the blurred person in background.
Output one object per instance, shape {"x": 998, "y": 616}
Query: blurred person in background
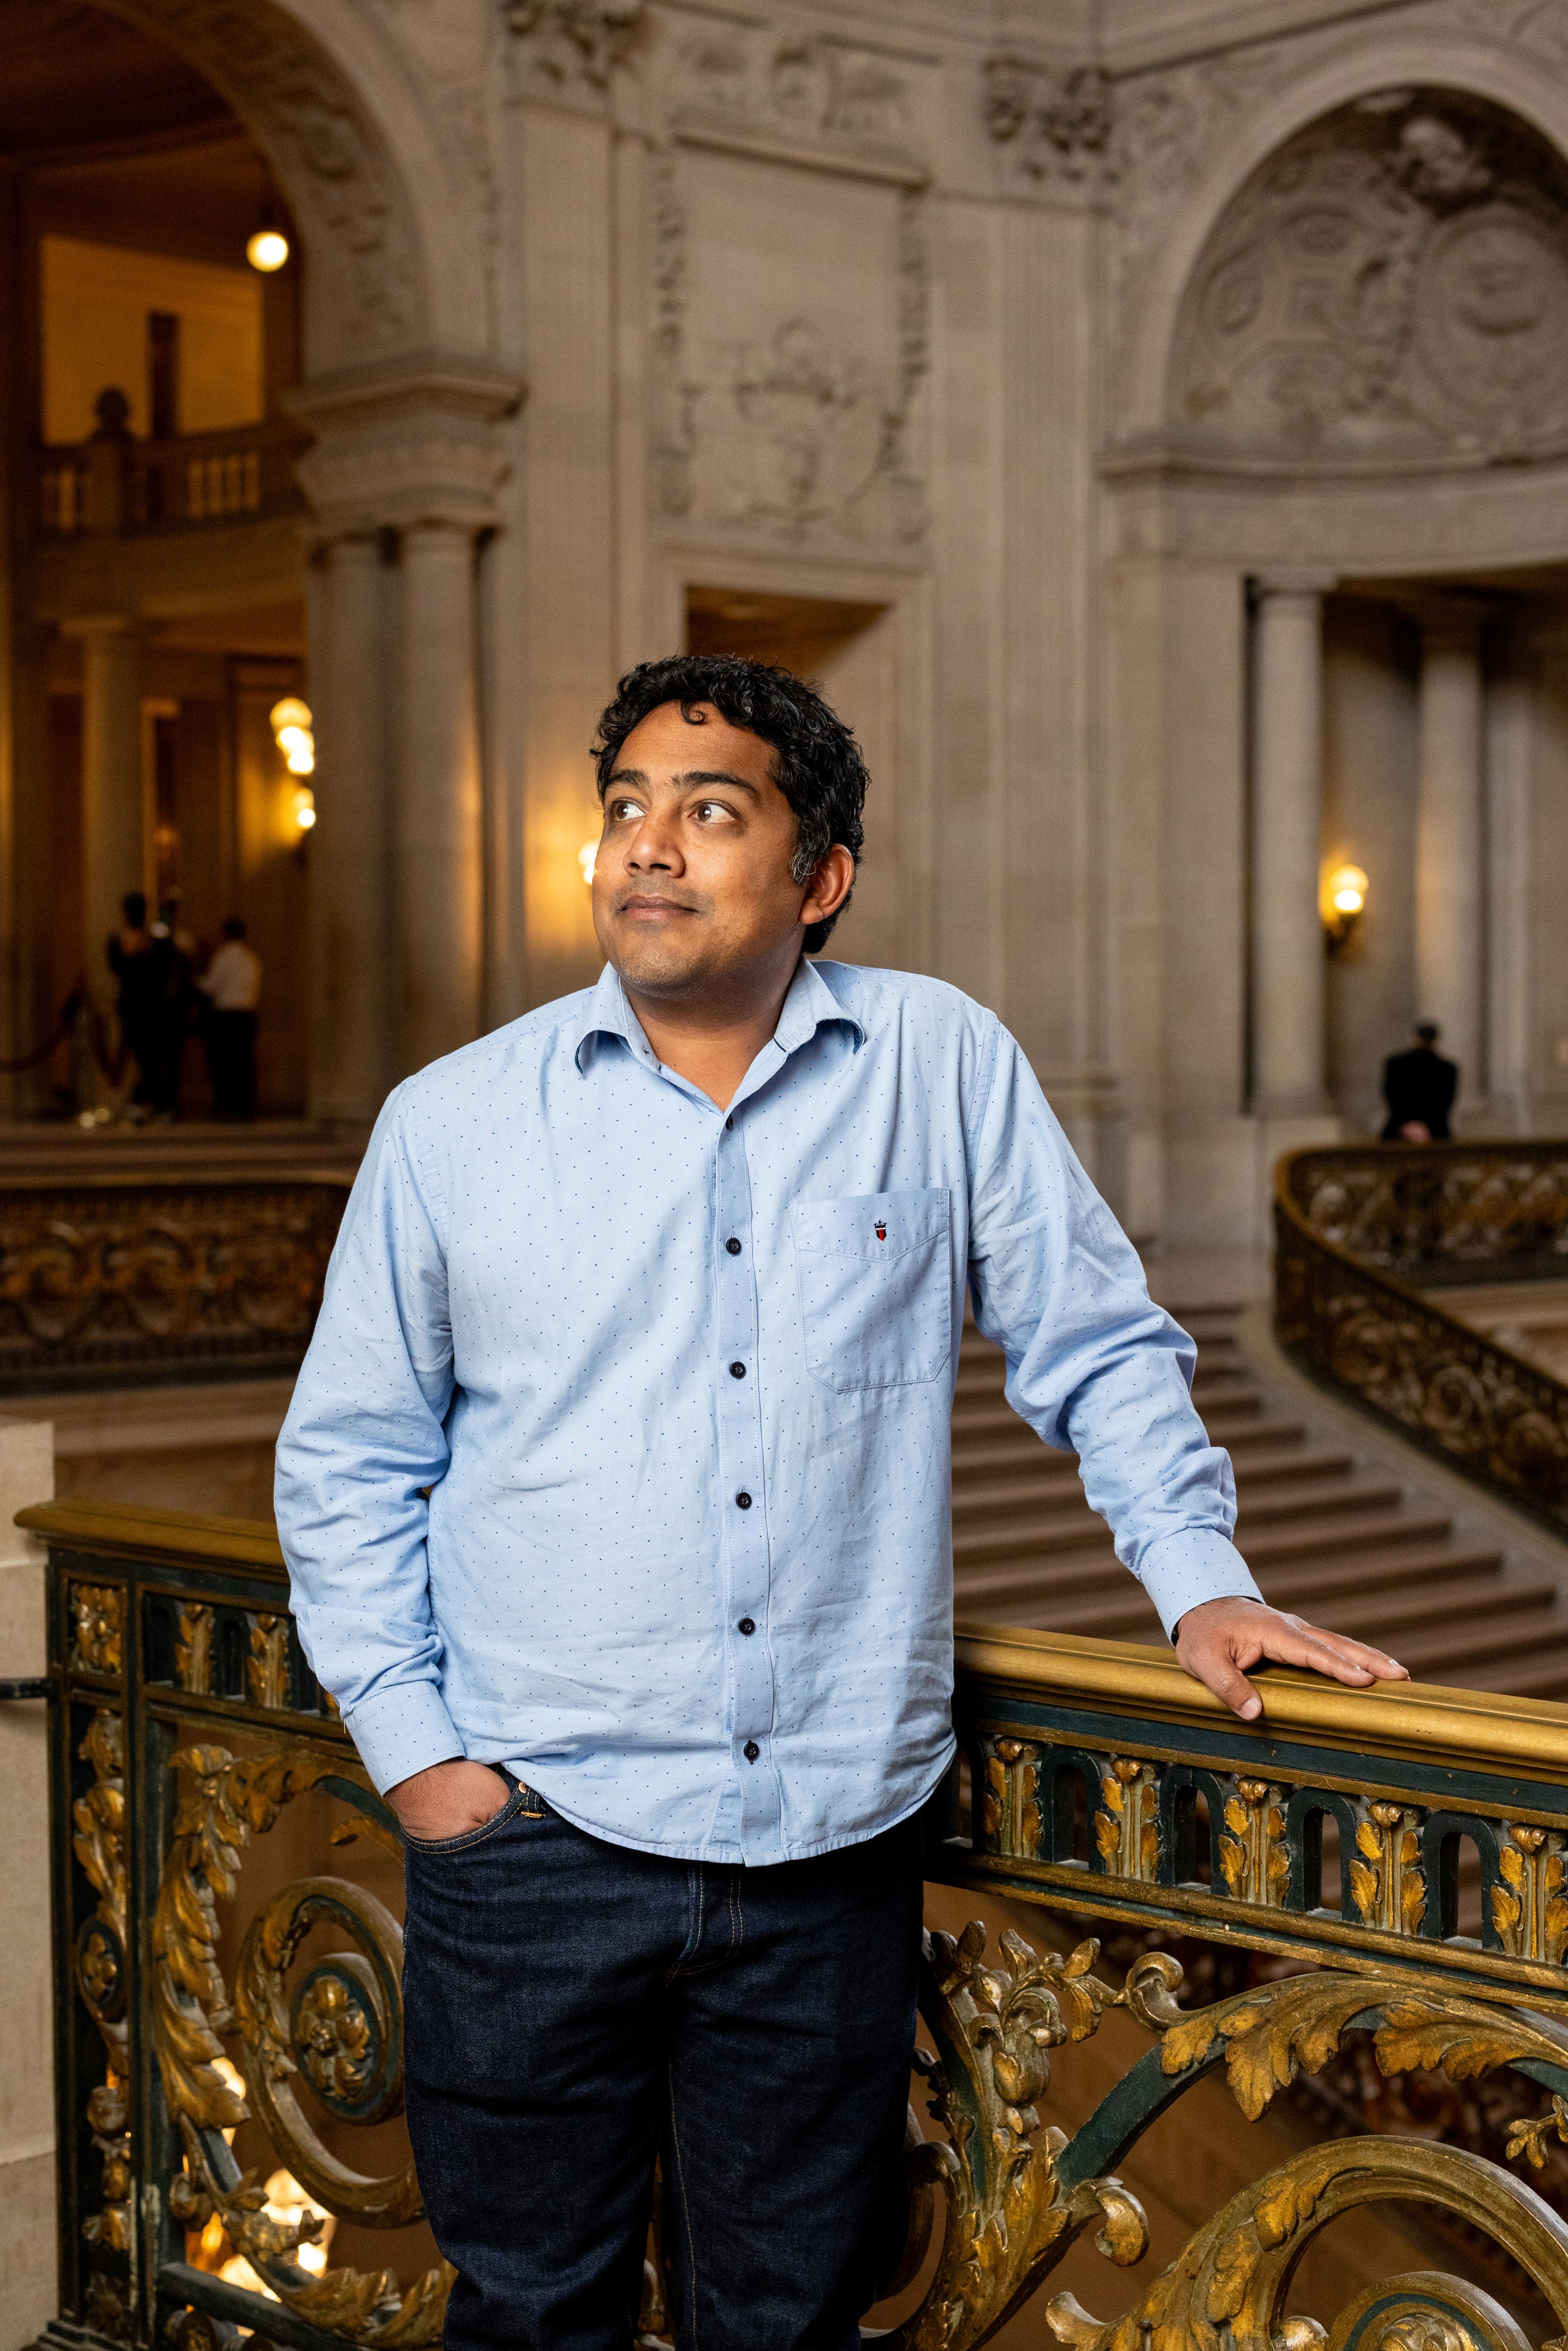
{"x": 1419, "y": 1086}
{"x": 130, "y": 957}
{"x": 232, "y": 986}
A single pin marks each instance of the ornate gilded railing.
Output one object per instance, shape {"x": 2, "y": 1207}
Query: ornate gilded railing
{"x": 146, "y": 1279}
{"x": 1361, "y": 1232}
{"x": 229, "y": 2027}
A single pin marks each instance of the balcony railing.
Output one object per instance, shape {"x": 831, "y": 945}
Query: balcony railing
{"x": 229, "y": 2018}
{"x": 118, "y": 1283}
{"x": 118, "y": 485}
{"x": 1361, "y": 1231}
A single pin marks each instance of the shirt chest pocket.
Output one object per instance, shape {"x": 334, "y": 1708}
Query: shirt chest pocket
{"x": 876, "y": 1289}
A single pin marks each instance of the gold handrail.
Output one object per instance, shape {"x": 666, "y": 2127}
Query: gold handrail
{"x": 1354, "y": 1318}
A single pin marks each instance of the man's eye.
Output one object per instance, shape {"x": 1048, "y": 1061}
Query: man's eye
{"x": 621, "y": 810}
{"x": 708, "y": 809}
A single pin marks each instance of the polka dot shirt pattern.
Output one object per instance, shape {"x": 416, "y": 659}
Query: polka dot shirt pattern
{"x": 679, "y": 1380}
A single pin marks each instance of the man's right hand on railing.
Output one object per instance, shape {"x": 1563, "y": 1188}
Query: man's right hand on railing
{"x": 1219, "y": 1640}
{"x": 448, "y": 1799}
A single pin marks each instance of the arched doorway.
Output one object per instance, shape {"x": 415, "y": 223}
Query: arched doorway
{"x": 1348, "y": 537}
{"x": 386, "y": 412}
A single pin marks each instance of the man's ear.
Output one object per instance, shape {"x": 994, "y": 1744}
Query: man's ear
{"x": 830, "y": 885}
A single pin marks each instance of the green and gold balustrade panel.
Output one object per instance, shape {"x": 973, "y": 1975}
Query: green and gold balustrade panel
{"x": 1361, "y": 1229}
{"x": 230, "y": 2031}
{"x": 135, "y": 1280}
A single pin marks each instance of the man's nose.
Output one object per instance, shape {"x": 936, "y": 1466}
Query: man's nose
{"x": 654, "y": 849}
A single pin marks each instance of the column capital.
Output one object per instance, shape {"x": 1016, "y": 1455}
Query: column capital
{"x": 1453, "y": 621}
{"x": 1305, "y": 585}
{"x": 404, "y": 443}
{"x": 101, "y": 625}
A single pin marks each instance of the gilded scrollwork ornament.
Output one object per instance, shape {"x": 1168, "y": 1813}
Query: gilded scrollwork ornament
{"x": 1226, "y": 2290}
{"x": 266, "y": 1668}
{"x": 98, "y": 1821}
{"x": 99, "y": 1614}
{"x": 348, "y": 2042}
{"x": 194, "y": 1650}
{"x": 1126, "y": 1831}
{"x": 1008, "y": 2215}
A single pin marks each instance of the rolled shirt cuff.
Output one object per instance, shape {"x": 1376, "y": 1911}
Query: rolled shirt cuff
{"x": 1181, "y": 1571}
{"x": 403, "y": 1729}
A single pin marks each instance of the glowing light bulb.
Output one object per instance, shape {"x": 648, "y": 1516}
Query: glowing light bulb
{"x": 1348, "y": 902}
{"x": 289, "y": 711}
{"x": 585, "y": 858}
{"x": 304, "y": 807}
{"x": 268, "y": 250}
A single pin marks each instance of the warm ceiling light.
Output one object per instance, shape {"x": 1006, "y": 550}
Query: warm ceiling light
{"x": 585, "y": 858}
{"x": 268, "y": 250}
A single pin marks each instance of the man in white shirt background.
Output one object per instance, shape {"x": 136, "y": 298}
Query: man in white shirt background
{"x": 232, "y": 986}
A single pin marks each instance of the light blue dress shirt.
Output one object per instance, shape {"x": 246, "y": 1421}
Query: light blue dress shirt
{"x": 679, "y": 1382}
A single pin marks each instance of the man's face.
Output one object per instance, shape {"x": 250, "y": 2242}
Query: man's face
{"x": 691, "y": 884}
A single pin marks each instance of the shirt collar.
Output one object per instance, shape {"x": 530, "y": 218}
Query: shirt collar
{"x": 810, "y": 1003}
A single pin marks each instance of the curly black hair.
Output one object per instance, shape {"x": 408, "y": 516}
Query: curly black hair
{"x": 817, "y": 766}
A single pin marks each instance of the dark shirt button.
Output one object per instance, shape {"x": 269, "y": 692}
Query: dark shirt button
{"x": 747, "y": 1625}
{"x": 730, "y": 1121}
{"x": 743, "y": 1501}
{"x": 733, "y": 1247}
{"x": 738, "y": 1371}
{"x": 751, "y": 1750}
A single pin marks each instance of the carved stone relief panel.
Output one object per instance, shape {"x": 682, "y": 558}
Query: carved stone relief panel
{"x": 1392, "y": 283}
{"x": 573, "y": 46}
{"x": 789, "y": 327}
{"x": 761, "y": 82}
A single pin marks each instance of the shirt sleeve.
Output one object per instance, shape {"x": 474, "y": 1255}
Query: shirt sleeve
{"x": 364, "y": 1433}
{"x": 1092, "y": 1363}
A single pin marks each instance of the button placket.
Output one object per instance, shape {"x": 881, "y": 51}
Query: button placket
{"x": 739, "y": 1402}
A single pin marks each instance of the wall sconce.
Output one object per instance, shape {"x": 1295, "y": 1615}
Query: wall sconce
{"x": 268, "y": 250}
{"x": 1342, "y": 900}
{"x": 290, "y": 722}
{"x": 586, "y": 856}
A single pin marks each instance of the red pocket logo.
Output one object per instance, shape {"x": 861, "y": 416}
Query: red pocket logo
{"x": 881, "y": 1232}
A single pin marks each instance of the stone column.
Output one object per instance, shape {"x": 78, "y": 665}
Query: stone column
{"x": 437, "y": 889}
{"x": 1287, "y": 933}
{"x": 1450, "y": 819}
{"x": 113, "y": 832}
{"x": 353, "y": 1024}
{"x": 404, "y": 449}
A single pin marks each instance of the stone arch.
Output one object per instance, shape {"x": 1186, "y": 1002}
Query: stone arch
{"x": 1461, "y": 68}
{"x": 1391, "y": 285}
{"x": 389, "y": 268}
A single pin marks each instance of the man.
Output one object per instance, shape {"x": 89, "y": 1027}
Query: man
{"x": 1419, "y": 1086}
{"x": 232, "y": 986}
{"x": 130, "y": 959}
{"x": 658, "y": 1294}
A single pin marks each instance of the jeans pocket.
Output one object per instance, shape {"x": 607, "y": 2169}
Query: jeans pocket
{"x": 521, "y": 1804}
{"x": 877, "y": 1287}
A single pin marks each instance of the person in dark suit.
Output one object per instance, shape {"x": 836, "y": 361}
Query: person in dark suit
{"x": 1419, "y": 1086}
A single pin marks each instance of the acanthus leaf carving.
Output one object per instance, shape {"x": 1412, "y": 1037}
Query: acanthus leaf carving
{"x": 1052, "y": 125}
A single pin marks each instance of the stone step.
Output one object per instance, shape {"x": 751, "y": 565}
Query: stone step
{"x": 1315, "y": 1498}
{"x": 1530, "y": 1638}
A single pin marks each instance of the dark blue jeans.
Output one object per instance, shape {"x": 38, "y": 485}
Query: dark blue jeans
{"x": 575, "y": 2010}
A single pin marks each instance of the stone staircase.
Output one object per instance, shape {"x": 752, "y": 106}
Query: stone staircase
{"x": 1345, "y": 1547}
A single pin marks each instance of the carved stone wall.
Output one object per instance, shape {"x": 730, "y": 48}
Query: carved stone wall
{"x": 789, "y": 334}
{"x": 1392, "y": 285}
